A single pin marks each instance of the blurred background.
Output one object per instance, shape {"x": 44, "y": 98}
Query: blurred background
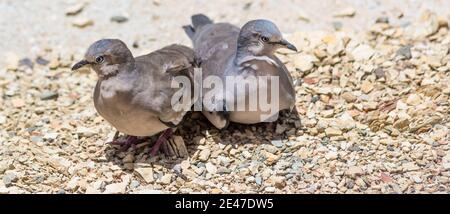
{"x": 71, "y": 26}
{"x": 372, "y": 99}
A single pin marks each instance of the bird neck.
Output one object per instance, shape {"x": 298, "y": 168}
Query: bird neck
{"x": 244, "y": 56}
{"x": 113, "y": 70}
{"x": 245, "y": 48}
{"x": 253, "y": 51}
{"x": 242, "y": 53}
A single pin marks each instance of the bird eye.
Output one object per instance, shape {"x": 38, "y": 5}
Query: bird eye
{"x": 264, "y": 39}
{"x": 99, "y": 59}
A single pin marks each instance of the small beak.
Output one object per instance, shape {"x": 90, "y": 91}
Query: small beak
{"x": 80, "y": 64}
{"x": 288, "y": 45}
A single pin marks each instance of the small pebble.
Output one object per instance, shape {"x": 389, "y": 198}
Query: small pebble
{"x": 119, "y": 19}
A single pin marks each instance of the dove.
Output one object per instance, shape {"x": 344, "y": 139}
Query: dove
{"x": 135, "y": 94}
{"x": 248, "y": 53}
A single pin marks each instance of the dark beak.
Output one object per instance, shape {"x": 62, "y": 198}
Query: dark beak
{"x": 80, "y": 64}
{"x": 288, "y": 45}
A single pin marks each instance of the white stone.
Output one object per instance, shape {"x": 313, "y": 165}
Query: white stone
{"x": 331, "y": 155}
{"x": 50, "y": 136}
{"x": 82, "y": 22}
{"x": 305, "y": 62}
{"x": 414, "y": 100}
{"x": 204, "y": 155}
{"x": 2, "y": 119}
{"x": 166, "y": 179}
{"x": 211, "y": 168}
{"x": 362, "y": 52}
{"x": 115, "y": 188}
{"x": 85, "y": 132}
{"x": 75, "y": 9}
{"x": 345, "y": 12}
{"x": 145, "y": 173}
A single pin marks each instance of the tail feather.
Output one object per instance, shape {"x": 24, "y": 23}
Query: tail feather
{"x": 198, "y": 21}
{"x": 190, "y": 31}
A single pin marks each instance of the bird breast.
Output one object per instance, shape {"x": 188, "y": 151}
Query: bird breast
{"x": 116, "y": 107}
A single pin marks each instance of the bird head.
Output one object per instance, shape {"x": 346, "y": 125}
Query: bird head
{"x": 262, "y": 37}
{"x": 106, "y": 57}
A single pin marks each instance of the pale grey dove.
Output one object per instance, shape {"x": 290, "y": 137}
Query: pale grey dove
{"x": 134, "y": 94}
{"x": 227, "y": 51}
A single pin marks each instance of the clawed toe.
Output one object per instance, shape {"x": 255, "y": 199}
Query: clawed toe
{"x": 130, "y": 141}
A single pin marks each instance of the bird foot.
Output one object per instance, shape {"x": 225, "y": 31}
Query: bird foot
{"x": 129, "y": 141}
{"x": 161, "y": 139}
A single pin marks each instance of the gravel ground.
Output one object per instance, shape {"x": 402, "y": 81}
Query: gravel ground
{"x": 372, "y": 112}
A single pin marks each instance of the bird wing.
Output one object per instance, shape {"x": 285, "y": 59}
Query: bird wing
{"x": 286, "y": 83}
{"x": 215, "y": 45}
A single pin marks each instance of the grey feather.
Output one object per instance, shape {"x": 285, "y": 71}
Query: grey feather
{"x": 189, "y": 30}
{"x": 200, "y": 20}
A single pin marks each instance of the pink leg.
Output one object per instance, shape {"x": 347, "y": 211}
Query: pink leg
{"x": 161, "y": 139}
{"x": 127, "y": 143}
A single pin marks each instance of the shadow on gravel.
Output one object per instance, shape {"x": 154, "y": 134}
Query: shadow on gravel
{"x": 195, "y": 129}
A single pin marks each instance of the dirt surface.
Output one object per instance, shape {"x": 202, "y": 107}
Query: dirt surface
{"x": 28, "y": 27}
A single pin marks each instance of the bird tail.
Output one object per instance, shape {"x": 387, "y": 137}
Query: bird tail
{"x": 198, "y": 21}
{"x": 190, "y": 31}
